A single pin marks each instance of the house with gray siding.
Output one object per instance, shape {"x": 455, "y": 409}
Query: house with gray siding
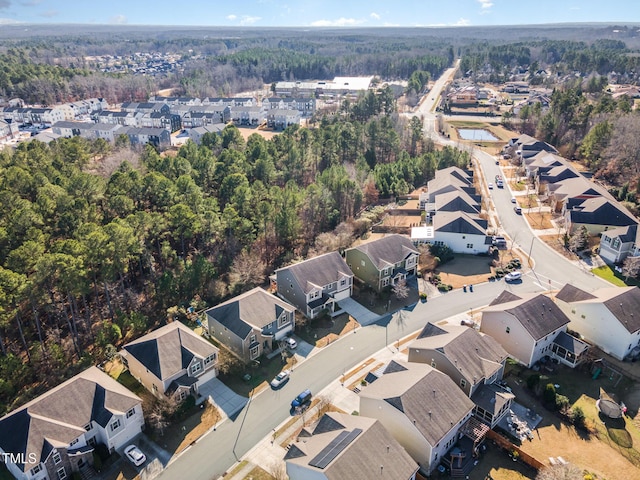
{"x": 171, "y": 361}
{"x": 316, "y": 284}
{"x": 383, "y": 262}
{"x": 251, "y": 324}
{"x": 55, "y": 435}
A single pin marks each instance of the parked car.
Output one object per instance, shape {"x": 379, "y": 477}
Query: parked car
{"x": 135, "y": 455}
{"x": 513, "y": 276}
{"x": 281, "y": 378}
{"x": 301, "y": 400}
{"x": 291, "y": 343}
{"x": 513, "y": 200}
{"x": 490, "y": 186}
{"x": 517, "y": 209}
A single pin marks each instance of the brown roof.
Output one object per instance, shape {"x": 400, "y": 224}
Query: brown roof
{"x": 319, "y": 271}
{"x": 373, "y": 453}
{"x": 387, "y": 251}
{"x": 569, "y": 293}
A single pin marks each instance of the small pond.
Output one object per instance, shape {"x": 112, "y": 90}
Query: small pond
{"x": 476, "y": 134}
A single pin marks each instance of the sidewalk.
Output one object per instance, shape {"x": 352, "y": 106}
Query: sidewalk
{"x": 268, "y": 454}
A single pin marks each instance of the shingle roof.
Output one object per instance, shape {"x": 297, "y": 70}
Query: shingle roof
{"x": 491, "y": 398}
{"x": 626, "y": 234}
{"x": 456, "y": 201}
{"x": 253, "y": 309}
{"x": 601, "y": 211}
{"x": 169, "y": 349}
{"x": 476, "y": 355}
{"x": 571, "y": 343}
{"x": 537, "y": 314}
{"x": 59, "y": 416}
{"x": 319, "y": 271}
{"x": 459, "y": 222}
{"x": 504, "y": 297}
{"x": 429, "y": 398}
{"x": 569, "y": 293}
{"x": 624, "y": 304}
{"x": 373, "y": 453}
{"x": 387, "y": 250}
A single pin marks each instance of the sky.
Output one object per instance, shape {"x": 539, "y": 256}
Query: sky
{"x": 319, "y": 13}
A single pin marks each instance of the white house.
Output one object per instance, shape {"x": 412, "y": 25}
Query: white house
{"x": 421, "y": 407}
{"x": 529, "y": 327}
{"x": 619, "y": 243}
{"x": 343, "y": 446}
{"x": 462, "y": 232}
{"x": 55, "y": 434}
{"x": 607, "y": 317}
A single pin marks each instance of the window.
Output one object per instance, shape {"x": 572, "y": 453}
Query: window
{"x": 463, "y": 383}
{"x": 73, "y": 442}
{"x": 87, "y": 427}
{"x": 385, "y": 282}
{"x": 182, "y": 395}
{"x": 433, "y": 363}
{"x": 252, "y": 339}
{"x": 36, "y": 469}
{"x": 131, "y": 413}
{"x": 254, "y": 352}
{"x": 56, "y": 458}
{"x": 155, "y": 389}
{"x": 115, "y": 424}
{"x": 62, "y": 474}
{"x": 195, "y": 368}
{"x": 210, "y": 359}
{"x": 343, "y": 282}
{"x": 469, "y": 245}
{"x": 508, "y": 330}
{"x": 616, "y": 243}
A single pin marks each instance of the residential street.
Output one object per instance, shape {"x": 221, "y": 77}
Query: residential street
{"x": 216, "y": 452}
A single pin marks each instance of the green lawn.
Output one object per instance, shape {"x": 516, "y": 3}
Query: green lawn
{"x": 609, "y": 274}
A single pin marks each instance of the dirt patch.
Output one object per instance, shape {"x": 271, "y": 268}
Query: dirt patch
{"x": 179, "y": 436}
{"x": 539, "y": 220}
{"x": 556, "y": 241}
{"x": 246, "y": 132}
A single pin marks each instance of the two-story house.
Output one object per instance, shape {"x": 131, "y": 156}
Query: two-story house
{"x": 54, "y": 435}
{"x": 343, "y": 446}
{"x": 252, "y": 323}
{"x": 421, "y": 407}
{"x": 608, "y": 317}
{"x": 474, "y": 361}
{"x": 616, "y": 244}
{"x": 316, "y": 284}
{"x": 531, "y": 326}
{"x": 383, "y": 262}
{"x": 172, "y": 361}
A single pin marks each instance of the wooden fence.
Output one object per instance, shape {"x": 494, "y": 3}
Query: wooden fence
{"x": 510, "y": 447}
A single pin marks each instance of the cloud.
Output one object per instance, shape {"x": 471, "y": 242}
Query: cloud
{"x": 231, "y": 17}
{"x": 118, "y": 20}
{"x": 374, "y": 15}
{"x": 249, "y": 20}
{"x": 485, "y": 4}
{"x": 8, "y": 21}
{"x": 462, "y": 22}
{"x": 49, "y": 13}
{"x": 5, "y": 4}
{"x": 340, "y": 22}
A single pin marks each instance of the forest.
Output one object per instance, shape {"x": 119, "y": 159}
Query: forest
{"x": 102, "y": 242}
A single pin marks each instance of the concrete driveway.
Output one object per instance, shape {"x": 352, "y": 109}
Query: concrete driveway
{"x": 228, "y": 402}
{"x": 362, "y": 314}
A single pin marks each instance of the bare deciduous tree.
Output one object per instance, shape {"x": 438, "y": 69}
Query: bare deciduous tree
{"x": 247, "y": 269}
{"x": 631, "y": 267}
{"x": 278, "y": 470}
{"x": 160, "y": 413}
{"x": 401, "y": 290}
{"x": 560, "y": 472}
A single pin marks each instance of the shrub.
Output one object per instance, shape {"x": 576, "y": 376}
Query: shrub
{"x": 443, "y": 287}
{"x": 577, "y": 417}
{"x": 533, "y": 381}
{"x": 549, "y": 394}
{"x": 443, "y": 252}
{"x": 562, "y": 403}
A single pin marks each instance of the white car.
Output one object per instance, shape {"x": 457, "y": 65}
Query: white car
{"x": 134, "y": 455}
{"x": 490, "y": 186}
{"x": 513, "y": 276}
{"x": 291, "y": 343}
{"x": 281, "y": 378}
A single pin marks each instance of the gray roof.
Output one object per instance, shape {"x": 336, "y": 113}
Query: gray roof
{"x": 624, "y": 304}
{"x": 253, "y": 309}
{"x": 538, "y": 314}
{"x": 59, "y": 416}
{"x": 455, "y": 201}
{"x": 374, "y": 453}
{"x": 626, "y": 234}
{"x": 169, "y": 349}
{"x": 476, "y": 355}
{"x": 504, "y": 297}
{"x": 569, "y": 294}
{"x": 387, "y": 251}
{"x": 571, "y": 343}
{"x": 600, "y": 211}
{"x": 491, "y": 398}
{"x": 579, "y": 186}
{"x": 459, "y": 222}
{"x": 428, "y": 398}
{"x": 319, "y": 271}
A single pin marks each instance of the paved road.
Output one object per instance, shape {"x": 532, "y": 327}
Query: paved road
{"x": 210, "y": 457}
